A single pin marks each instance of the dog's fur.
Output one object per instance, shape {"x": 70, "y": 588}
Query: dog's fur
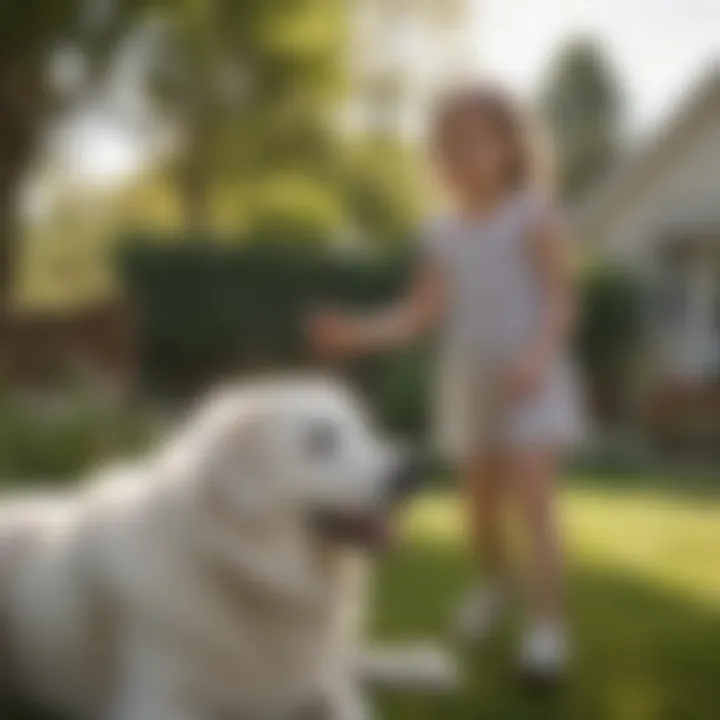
{"x": 192, "y": 585}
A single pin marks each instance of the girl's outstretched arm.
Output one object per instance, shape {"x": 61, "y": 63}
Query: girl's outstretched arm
{"x": 339, "y": 334}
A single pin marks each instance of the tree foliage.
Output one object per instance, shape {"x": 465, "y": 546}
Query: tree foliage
{"x": 383, "y": 188}
{"x": 248, "y": 86}
{"x": 31, "y": 32}
{"x": 583, "y": 106}
{"x": 253, "y": 87}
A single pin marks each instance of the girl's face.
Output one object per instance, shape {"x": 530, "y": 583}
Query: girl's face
{"x": 472, "y": 155}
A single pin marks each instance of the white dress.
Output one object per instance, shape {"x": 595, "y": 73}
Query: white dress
{"x": 494, "y": 304}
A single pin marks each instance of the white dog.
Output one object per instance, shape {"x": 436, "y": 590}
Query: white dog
{"x": 213, "y": 580}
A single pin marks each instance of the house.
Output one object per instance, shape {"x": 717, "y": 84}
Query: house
{"x": 659, "y": 214}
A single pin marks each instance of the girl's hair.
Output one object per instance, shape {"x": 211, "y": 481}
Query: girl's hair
{"x": 529, "y": 162}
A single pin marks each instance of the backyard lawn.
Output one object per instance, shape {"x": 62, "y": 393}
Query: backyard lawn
{"x": 644, "y": 593}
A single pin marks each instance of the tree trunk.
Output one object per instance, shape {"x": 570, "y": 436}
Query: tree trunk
{"x": 8, "y": 245}
{"x": 23, "y": 105}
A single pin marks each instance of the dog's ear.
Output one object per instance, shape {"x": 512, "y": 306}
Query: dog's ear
{"x": 236, "y": 473}
{"x": 221, "y": 453}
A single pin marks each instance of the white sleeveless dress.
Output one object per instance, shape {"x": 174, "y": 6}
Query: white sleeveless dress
{"x": 494, "y": 301}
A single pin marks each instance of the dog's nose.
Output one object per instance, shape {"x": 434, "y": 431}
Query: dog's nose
{"x": 407, "y": 478}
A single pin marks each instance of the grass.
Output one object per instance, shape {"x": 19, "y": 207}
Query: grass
{"x": 644, "y": 600}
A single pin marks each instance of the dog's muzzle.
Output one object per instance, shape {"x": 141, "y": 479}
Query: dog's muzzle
{"x": 407, "y": 479}
{"x": 374, "y": 529}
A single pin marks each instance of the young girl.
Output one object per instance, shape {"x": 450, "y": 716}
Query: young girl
{"x": 495, "y": 270}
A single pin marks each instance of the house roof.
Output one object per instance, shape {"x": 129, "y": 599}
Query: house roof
{"x": 655, "y": 153}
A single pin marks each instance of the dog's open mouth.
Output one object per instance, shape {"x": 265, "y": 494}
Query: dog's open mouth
{"x": 372, "y": 530}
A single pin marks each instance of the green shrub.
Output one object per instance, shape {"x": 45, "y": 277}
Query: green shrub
{"x": 610, "y": 336}
{"x": 55, "y": 443}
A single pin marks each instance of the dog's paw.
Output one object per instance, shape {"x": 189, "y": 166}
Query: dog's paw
{"x": 346, "y": 707}
{"x": 417, "y": 666}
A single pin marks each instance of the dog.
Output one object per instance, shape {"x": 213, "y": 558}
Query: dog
{"x": 218, "y": 578}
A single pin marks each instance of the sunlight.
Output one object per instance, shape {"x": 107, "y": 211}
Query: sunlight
{"x": 668, "y": 541}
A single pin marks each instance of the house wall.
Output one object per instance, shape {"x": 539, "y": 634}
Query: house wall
{"x": 677, "y": 193}
{"x": 672, "y": 200}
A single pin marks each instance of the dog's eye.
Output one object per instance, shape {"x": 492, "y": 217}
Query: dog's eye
{"x": 322, "y": 440}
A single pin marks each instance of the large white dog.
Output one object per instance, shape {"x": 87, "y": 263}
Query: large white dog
{"x": 212, "y": 580}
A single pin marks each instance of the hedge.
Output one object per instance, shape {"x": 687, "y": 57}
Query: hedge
{"x": 610, "y": 337}
{"x": 208, "y": 309}
{"x": 57, "y": 442}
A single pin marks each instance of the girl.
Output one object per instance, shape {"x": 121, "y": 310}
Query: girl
{"x": 495, "y": 270}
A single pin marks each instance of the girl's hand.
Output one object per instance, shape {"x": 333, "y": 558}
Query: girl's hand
{"x": 524, "y": 377}
{"x": 332, "y": 334}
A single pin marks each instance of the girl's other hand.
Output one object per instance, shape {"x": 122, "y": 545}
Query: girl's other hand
{"x": 524, "y": 377}
{"x": 332, "y": 334}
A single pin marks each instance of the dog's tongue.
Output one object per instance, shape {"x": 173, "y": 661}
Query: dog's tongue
{"x": 371, "y": 530}
{"x": 380, "y": 532}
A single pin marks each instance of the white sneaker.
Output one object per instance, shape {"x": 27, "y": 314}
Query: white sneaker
{"x": 544, "y": 651}
{"x": 480, "y": 611}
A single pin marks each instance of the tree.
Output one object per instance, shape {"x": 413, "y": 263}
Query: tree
{"x": 285, "y": 51}
{"x": 582, "y": 104}
{"x": 31, "y": 32}
{"x": 252, "y": 86}
{"x": 384, "y": 187}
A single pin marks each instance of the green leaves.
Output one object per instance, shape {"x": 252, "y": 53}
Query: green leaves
{"x": 582, "y": 105}
{"x": 253, "y": 86}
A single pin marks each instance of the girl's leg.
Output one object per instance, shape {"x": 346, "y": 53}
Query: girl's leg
{"x": 532, "y": 473}
{"x": 484, "y": 489}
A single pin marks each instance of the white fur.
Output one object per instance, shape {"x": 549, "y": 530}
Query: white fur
{"x": 192, "y": 585}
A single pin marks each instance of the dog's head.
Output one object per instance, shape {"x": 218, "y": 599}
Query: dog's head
{"x": 301, "y": 447}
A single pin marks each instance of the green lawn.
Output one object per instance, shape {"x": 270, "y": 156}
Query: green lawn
{"x": 644, "y": 598}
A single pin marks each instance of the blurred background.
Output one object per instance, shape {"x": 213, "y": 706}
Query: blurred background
{"x": 180, "y": 180}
